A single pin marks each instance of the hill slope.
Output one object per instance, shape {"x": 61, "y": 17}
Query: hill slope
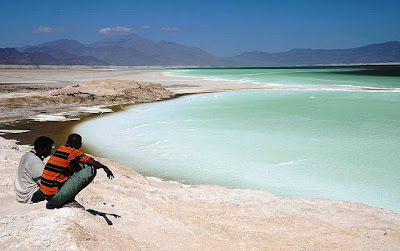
{"x": 374, "y": 53}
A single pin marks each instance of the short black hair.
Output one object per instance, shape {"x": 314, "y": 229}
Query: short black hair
{"x": 74, "y": 140}
{"x": 42, "y": 141}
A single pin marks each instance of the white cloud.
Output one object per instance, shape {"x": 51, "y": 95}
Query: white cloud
{"x": 115, "y": 30}
{"x": 145, "y": 27}
{"x": 170, "y": 29}
{"x": 46, "y": 29}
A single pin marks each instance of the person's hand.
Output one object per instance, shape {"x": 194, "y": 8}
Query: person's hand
{"x": 110, "y": 175}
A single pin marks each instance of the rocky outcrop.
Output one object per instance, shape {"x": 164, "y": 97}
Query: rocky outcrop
{"x": 92, "y": 93}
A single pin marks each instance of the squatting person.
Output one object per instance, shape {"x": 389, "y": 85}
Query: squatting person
{"x": 29, "y": 172}
{"x": 64, "y": 176}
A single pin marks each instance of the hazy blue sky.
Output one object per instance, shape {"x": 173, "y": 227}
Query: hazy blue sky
{"x": 221, "y": 27}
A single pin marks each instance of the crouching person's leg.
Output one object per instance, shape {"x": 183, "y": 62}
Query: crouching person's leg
{"x": 72, "y": 187}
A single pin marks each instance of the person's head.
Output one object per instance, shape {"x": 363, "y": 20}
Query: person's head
{"x": 74, "y": 140}
{"x": 43, "y": 146}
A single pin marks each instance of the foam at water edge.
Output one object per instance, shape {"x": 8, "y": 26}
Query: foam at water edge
{"x": 95, "y": 109}
{"x": 54, "y": 117}
{"x": 3, "y": 131}
{"x": 151, "y": 178}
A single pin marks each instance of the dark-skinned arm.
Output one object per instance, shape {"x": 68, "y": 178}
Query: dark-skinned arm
{"x": 98, "y": 165}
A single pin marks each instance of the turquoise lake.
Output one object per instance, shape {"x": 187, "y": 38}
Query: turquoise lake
{"x": 365, "y": 76}
{"x": 318, "y": 144}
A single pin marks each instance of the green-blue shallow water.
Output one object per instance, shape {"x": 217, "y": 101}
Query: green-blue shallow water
{"x": 366, "y": 76}
{"x": 319, "y": 144}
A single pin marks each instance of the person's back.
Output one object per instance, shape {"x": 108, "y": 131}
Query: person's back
{"x": 63, "y": 177}
{"x": 59, "y": 168}
{"x": 28, "y": 175}
{"x": 29, "y": 172}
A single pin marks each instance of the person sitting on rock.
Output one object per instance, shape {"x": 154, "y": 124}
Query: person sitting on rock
{"x": 29, "y": 172}
{"x": 67, "y": 172}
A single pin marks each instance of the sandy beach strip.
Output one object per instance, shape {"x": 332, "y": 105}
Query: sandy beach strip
{"x": 133, "y": 212}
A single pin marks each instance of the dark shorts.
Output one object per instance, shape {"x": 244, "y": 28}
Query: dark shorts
{"x": 72, "y": 187}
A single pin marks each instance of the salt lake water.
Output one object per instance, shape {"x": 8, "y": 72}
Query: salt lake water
{"x": 366, "y": 76}
{"x": 318, "y": 144}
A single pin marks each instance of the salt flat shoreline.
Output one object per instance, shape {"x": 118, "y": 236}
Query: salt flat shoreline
{"x": 133, "y": 212}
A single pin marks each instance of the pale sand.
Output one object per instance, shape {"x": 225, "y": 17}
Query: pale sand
{"x": 159, "y": 215}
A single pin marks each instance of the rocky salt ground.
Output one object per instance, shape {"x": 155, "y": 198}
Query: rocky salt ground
{"x": 49, "y": 99}
{"x": 133, "y": 212}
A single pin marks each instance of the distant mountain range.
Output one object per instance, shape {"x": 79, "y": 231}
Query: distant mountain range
{"x": 374, "y": 53}
{"x": 133, "y": 50}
